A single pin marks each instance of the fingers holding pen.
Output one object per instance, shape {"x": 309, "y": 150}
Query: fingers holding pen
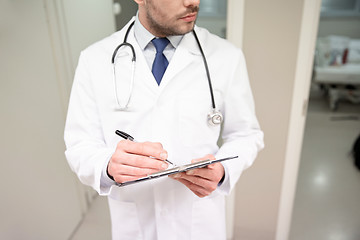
{"x": 153, "y": 149}
{"x": 133, "y": 160}
{"x": 123, "y": 173}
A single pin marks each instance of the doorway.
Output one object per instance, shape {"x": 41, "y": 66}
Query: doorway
{"x": 328, "y": 193}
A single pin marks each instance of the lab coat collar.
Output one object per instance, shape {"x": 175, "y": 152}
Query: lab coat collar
{"x": 142, "y": 36}
{"x": 143, "y": 73}
{"x": 188, "y": 42}
{"x": 117, "y": 38}
{"x": 183, "y": 57}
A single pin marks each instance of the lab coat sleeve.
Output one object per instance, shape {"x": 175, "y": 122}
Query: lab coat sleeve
{"x": 241, "y": 133}
{"x": 86, "y": 151}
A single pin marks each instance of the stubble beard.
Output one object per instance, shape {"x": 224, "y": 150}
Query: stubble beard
{"x": 164, "y": 29}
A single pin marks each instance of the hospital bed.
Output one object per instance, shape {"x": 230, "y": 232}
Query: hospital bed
{"x": 337, "y": 69}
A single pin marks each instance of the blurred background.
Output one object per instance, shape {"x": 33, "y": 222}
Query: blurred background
{"x": 303, "y": 59}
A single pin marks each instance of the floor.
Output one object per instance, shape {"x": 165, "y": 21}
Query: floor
{"x": 96, "y": 223}
{"x": 327, "y": 202}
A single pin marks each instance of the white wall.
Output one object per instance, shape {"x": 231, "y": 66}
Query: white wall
{"x": 39, "y": 42}
{"x": 85, "y": 22}
{"x": 272, "y": 43}
{"x": 39, "y": 198}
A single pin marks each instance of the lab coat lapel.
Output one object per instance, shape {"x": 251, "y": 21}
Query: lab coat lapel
{"x": 122, "y": 72}
{"x": 183, "y": 57}
{"x": 143, "y": 72}
{"x": 123, "y": 69}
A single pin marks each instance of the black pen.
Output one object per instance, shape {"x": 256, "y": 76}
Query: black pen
{"x": 129, "y": 137}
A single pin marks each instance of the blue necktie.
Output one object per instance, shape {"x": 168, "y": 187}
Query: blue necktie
{"x": 160, "y": 62}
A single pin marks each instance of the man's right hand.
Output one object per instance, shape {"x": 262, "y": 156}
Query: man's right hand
{"x": 133, "y": 160}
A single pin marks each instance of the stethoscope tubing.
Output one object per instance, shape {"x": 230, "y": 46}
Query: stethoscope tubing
{"x": 206, "y": 69}
{"x": 125, "y": 43}
{"x": 215, "y": 114}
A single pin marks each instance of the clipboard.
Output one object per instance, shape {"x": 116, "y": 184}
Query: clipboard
{"x": 175, "y": 170}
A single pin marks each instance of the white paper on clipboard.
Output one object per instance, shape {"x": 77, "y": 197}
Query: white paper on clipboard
{"x": 175, "y": 170}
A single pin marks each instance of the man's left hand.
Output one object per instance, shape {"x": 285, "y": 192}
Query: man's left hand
{"x": 202, "y": 181}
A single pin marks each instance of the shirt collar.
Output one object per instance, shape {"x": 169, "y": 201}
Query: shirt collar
{"x": 144, "y": 37}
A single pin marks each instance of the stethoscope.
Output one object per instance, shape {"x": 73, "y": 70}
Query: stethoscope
{"x": 214, "y": 118}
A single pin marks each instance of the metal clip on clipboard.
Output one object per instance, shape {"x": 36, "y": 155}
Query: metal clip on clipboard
{"x": 175, "y": 170}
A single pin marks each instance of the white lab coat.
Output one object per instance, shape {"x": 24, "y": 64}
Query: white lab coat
{"x": 175, "y": 114}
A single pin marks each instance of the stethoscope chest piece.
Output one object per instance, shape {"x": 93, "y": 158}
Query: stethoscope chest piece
{"x": 215, "y": 118}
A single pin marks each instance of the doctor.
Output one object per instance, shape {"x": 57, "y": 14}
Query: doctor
{"x": 167, "y": 113}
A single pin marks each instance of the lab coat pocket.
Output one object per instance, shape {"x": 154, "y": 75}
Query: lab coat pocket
{"x": 125, "y": 220}
{"x": 208, "y": 219}
{"x": 194, "y": 129}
